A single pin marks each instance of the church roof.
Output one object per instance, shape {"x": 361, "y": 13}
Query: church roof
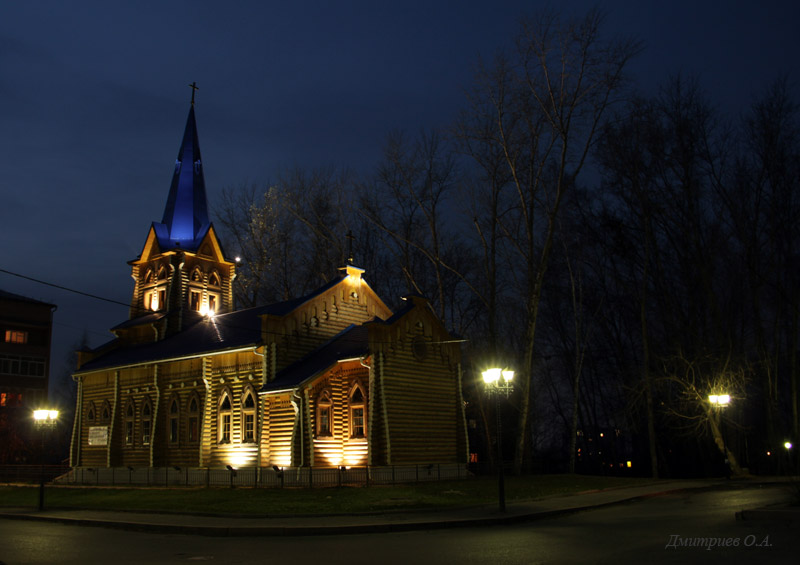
{"x": 185, "y": 220}
{"x": 351, "y": 343}
{"x": 223, "y": 332}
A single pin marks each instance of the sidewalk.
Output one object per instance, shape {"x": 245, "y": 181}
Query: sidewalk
{"x": 364, "y": 523}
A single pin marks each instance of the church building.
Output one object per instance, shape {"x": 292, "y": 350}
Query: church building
{"x": 333, "y": 378}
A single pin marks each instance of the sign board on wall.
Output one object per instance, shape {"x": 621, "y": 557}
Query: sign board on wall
{"x": 98, "y": 435}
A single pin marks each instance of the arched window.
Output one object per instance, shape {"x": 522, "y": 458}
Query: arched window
{"x": 357, "y": 411}
{"x": 225, "y": 418}
{"x": 147, "y": 421}
{"x": 193, "y": 419}
{"x": 197, "y": 276}
{"x": 324, "y": 414}
{"x": 249, "y": 416}
{"x": 174, "y": 421}
{"x": 105, "y": 415}
{"x": 130, "y": 412}
{"x": 213, "y": 280}
{"x": 90, "y": 415}
{"x": 148, "y": 277}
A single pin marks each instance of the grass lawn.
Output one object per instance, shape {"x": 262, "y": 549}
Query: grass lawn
{"x": 344, "y": 500}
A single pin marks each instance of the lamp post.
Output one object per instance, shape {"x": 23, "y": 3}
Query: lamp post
{"x": 499, "y": 384}
{"x": 718, "y": 403}
{"x": 44, "y": 421}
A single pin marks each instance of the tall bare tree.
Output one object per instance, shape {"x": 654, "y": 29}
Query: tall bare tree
{"x": 535, "y": 117}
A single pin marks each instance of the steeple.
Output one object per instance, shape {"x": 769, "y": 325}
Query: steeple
{"x": 185, "y": 220}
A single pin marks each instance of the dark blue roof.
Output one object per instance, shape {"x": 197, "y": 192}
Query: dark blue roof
{"x": 222, "y": 332}
{"x": 351, "y": 343}
{"x": 185, "y": 220}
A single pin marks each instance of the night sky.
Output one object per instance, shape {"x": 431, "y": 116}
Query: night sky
{"x": 94, "y": 97}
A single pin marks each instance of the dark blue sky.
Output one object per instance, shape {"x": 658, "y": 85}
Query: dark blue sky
{"x": 94, "y": 97}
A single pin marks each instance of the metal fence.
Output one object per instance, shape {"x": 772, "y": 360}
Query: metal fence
{"x": 262, "y": 477}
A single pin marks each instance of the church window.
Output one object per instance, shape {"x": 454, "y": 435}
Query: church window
{"x": 225, "y": 418}
{"x": 147, "y": 422}
{"x": 324, "y": 414}
{"x": 249, "y": 417}
{"x": 148, "y": 278}
{"x": 194, "y": 300}
{"x": 213, "y": 280}
{"x": 193, "y": 420}
{"x": 357, "y": 412}
{"x": 90, "y": 413}
{"x": 174, "y": 415}
{"x": 162, "y": 274}
{"x": 129, "y": 414}
{"x": 197, "y": 276}
{"x": 106, "y": 414}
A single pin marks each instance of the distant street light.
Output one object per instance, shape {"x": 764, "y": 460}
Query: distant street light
{"x": 44, "y": 421}
{"x": 499, "y": 383}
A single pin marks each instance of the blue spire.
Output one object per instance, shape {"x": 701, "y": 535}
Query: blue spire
{"x": 185, "y": 219}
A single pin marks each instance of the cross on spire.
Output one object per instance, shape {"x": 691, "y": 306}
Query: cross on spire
{"x": 194, "y": 88}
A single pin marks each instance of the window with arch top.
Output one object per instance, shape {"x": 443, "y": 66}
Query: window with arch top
{"x": 357, "y": 411}
{"x": 249, "y": 417}
{"x": 225, "y": 418}
{"x": 324, "y": 414}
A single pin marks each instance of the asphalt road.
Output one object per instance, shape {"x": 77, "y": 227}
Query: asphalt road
{"x": 675, "y": 528}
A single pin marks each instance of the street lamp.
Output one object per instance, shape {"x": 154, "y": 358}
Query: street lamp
{"x": 44, "y": 421}
{"x": 499, "y": 384}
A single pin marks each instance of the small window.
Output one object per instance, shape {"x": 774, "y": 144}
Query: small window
{"x": 146, "y": 422}
{"x": 193, "y": 420}
{"x": 357, "y": 413}
{"x": 225, "y": 418}
{"x": 212, "y": 303}
{"x": 196, "y": 276}
{"x": 90, "y": 413}
{"x": 15, "y": 336}
{"x": 106, "y": 415}
{"x": 174, "y": 427}
{"x": 213, "y": 280}
{"x": 324, "y": 413}
{"x": 129, "y": 415}
{"x": 249, "y": 418}
{"x": 194, "y": 300}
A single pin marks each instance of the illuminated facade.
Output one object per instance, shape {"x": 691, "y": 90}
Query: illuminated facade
{"x": 329, "y": 379}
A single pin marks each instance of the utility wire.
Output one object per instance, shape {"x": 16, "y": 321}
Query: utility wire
{"x": 112, "y": 301}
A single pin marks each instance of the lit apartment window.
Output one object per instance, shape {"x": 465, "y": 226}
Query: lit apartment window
{"x": 15, "y": 336}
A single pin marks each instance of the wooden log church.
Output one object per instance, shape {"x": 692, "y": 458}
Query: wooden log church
{"x": 334, "y": 378}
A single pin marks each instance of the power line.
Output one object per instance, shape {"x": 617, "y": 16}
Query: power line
{"x": 61, "y": 287}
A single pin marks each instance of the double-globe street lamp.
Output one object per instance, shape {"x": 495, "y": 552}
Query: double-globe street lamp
{"x": 499, "y": 383}
{"x": 45, "y": 421}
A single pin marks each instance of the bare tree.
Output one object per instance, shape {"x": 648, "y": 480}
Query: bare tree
{"x": 537, "y": 115}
